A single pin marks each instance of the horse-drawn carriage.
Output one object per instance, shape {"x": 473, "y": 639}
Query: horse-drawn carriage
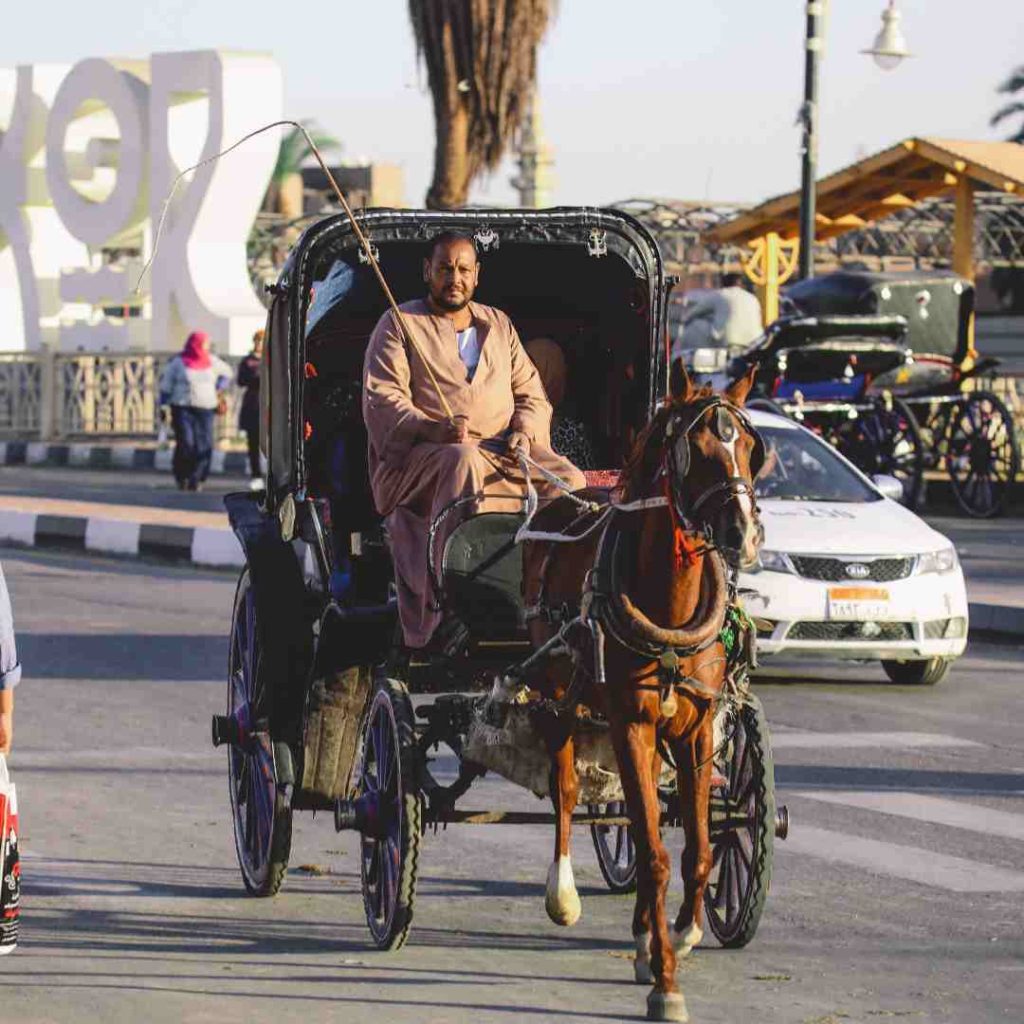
{"x": 878, "y": 364}
{"x": 321, "y": 711}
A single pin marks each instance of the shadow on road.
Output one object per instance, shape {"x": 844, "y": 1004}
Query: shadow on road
{"x": 135, "y": 656}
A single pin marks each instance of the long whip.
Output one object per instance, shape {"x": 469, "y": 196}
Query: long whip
{"x": 366, "y": 247}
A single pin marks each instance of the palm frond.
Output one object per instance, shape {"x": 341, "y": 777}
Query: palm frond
{"x": 1015, "y": 83}
{"x": 481, "y": 63}
{"x": 294, "y": 149}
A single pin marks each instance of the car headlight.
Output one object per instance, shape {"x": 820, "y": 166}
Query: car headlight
{"x": 944, "y": 560}
{"x": 773, "y": 561}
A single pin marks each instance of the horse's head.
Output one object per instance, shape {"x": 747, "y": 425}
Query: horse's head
{"x": 712, "y": 455}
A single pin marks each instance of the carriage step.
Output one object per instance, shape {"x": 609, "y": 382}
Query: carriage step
{"x": 781, "y": 822}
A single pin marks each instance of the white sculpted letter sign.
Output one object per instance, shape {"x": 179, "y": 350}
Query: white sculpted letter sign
{"x": 87, "y": 156}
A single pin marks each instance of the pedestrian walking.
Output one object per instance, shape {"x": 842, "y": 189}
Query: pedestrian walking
{"x": 10, "y": 868}
{"x": 249, "y": 413}
{"x": 192, "y": 384}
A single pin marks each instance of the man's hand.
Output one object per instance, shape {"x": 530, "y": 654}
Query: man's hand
{"x": 453, "y": 431}
{"x": 518, "y": 442}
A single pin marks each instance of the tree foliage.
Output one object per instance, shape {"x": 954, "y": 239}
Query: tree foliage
{"x": 481, "y": 61}
{"x": 294, "y": 150}
{"x": 1013, "y": 86}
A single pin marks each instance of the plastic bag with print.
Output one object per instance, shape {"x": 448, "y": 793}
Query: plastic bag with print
{"x": 10, "y": 869}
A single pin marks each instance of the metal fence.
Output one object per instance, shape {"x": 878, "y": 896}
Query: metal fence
{"x": 91, "y": 397}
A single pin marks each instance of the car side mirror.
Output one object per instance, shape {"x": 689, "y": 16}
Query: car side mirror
{"x": 889, "y": 486}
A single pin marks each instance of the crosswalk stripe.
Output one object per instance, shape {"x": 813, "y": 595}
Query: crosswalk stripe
{"x": 919, "y": 807}
{"x": 956, "y": 874}
{"x": 799, "y": 740}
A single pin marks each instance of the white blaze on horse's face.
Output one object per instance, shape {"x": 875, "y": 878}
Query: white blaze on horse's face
{"x": 751, "y": 535}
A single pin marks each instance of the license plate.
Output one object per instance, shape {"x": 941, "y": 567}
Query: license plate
{"x": 858, "y": 604}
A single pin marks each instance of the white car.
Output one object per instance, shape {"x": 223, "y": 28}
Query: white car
{"x": 846, "y": 572}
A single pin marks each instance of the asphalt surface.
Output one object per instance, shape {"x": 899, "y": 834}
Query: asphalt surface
{"x": 899, "y": 894}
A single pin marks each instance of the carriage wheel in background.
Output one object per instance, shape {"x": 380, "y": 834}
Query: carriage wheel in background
{"x": 886, "y": 439}
{"x": 616, "y": 852}
{"x": 982, "y": 457}
{"x": 390, "y": 843}
{"x": 742, "y": 827}
{"x": 262, "y": 819}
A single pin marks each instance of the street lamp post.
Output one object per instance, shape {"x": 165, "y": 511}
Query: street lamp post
{"x": 888, "y": 50}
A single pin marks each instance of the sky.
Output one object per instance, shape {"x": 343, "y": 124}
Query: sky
{"x": 685, "y": 99}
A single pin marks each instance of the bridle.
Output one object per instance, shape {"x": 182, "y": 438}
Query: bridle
{"x": 676, "y": 465}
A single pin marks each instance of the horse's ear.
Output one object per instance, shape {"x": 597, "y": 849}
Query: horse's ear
{"x": 738, "y": 390}
{"x": 680, "y": 387}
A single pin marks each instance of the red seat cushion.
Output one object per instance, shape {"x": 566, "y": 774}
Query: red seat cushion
{"x": 601, "y": 477}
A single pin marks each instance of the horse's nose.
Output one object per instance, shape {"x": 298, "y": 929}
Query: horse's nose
{"x": 734, "y": 537}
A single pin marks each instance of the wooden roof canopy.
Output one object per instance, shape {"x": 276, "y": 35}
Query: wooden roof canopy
{"x": 879, "y": 185}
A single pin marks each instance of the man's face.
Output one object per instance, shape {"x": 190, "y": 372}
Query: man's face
{"x": 451, "y": 275}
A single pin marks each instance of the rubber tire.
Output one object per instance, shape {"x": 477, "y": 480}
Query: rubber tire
{"x": 918, "y": 673}
{"x": 619, "y": 879}
{"x": 267, "y": 882}
{"x": 737, "y": 932}
{"x": 959, "y": 490}
{"x": 390, "y": 697}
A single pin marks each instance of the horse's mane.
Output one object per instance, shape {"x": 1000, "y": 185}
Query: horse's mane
{"x": 642, "y": 462}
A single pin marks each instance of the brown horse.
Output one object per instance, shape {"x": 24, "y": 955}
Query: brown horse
{"x": 660, "y": 560}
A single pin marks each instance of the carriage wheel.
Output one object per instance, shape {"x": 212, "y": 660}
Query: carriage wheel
{"x": 262, "y": 819}
{"x": 742, "y": 828}
{"x": 886, "y": 440}
{"x": 389, "y": 848}
{"x": 616, "y": 852}
{"x": 982, "y": 457}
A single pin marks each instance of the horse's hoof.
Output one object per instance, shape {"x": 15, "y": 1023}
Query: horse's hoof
{"x": 667, "y": 1006}
{"x": 684, "y": 941}
{"x": 561, "y": 900}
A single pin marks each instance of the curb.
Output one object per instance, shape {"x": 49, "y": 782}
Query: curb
{"x": 997, "y": 620}
{"x": 91, "y": 456}
{"x": 207, "y": 546}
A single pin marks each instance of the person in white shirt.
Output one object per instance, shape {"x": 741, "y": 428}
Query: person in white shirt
{"x": 727, "y": 317}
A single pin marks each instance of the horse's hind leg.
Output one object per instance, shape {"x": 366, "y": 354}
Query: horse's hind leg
{"x": 561, "y": 900}
{"x": 634, "y": 744}
{"x": 693, "y": 757}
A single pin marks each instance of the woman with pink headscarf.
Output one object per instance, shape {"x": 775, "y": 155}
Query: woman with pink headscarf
{"x": 191, "y": 384}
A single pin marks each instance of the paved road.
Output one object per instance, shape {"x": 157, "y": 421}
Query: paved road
{"x": 899, "y": 894}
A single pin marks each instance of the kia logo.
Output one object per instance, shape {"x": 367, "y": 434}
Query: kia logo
{"x": 857, "y": 571}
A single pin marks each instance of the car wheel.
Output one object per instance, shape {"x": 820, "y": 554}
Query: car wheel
{"x": 917, "y": 673}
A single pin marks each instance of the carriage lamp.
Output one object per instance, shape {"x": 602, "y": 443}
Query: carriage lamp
{"x": 889, "y": 47}
{"x": 944, "y": 560}
{"x": 773, "y": 561}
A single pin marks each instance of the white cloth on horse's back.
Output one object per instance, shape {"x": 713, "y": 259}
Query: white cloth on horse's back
{"x": 414, "y": 480}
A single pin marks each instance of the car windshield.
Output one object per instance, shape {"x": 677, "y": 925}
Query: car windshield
{"x": 799, "y": 467}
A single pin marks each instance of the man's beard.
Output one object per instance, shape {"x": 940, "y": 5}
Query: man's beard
{"x": 450, "y": 307}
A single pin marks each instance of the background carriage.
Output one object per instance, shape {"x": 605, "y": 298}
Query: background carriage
{"x": 881, "y": 365}
{"x": 320, "y": 713}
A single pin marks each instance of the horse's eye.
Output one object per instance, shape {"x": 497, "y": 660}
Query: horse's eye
{"x": 724, "y": 426}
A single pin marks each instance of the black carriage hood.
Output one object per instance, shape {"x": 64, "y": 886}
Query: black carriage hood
{"x": 602, "y": 234}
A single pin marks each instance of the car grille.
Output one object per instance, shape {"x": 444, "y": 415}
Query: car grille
{"x": 880, "y": 570}
{"x": 864, "y": 632}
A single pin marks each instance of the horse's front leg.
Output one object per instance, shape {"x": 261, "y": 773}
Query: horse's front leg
{"x": 693, "y": 756}
{"x": 561, "y": 900}
{"x": 634, "y": 743}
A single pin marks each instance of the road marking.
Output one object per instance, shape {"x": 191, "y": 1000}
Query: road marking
{"x": 933, "y": 809}
{"x": 783, "y": 740}
{"x": 956, "y": 874}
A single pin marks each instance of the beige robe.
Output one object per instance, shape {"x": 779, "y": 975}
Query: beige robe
{"x": 414, "y": 480}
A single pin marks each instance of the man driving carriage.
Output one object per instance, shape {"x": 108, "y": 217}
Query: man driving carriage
{"x": 447, "y": 414}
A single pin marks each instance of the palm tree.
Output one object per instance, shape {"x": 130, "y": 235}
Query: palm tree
{"x": 284, "y": 195}
{"x": 1013, "y": 85}
{"x": 481, "y": 60}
